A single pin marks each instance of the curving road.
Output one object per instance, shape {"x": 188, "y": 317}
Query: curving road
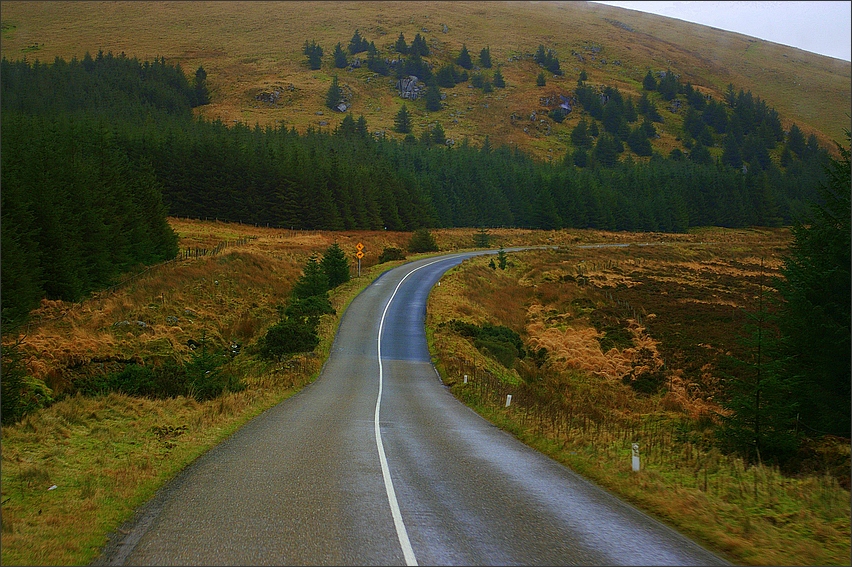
{"x": 376, "y": 463}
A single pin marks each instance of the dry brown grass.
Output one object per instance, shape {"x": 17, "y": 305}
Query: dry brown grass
{"x": 107, "y": 455}
{"x": 582, "y": 414}
{"x": 250, "y": 47}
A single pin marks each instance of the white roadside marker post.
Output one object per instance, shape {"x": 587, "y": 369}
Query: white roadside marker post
{"x": 636, "y": 457}
{"x": 508, "y": 400}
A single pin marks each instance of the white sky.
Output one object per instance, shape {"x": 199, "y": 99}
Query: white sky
{"x": 819, "y": 27}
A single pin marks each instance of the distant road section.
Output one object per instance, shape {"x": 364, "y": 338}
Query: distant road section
{"x": 376, "y": 463}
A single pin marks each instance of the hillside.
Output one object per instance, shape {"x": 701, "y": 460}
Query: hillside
{"x": 252, "y": 48}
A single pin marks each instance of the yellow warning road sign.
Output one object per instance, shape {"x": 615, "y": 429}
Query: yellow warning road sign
{"x": 359, "y": 246}
{"x": 359, "y": 254}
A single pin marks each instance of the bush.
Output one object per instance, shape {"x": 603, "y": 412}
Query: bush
{"x": 20, "y": 394}
{"x": 288, "y": 337}
{"x": 422, "y": 241}
{"x": 203, "y": 378}
{"x": 390, "y": 254}
{"x": 503, "y": 352}
{"x": 499, "y": 342}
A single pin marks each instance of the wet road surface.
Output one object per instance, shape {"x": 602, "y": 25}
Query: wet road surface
{"x": 376, "y": 463}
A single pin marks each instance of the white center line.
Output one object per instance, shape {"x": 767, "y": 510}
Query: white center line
{"x": 401, "y": 532}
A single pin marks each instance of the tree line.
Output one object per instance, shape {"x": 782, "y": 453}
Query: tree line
{"x": 99, "y": 150}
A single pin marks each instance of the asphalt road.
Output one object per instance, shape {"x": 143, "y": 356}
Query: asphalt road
{"x": 376, "y": 463}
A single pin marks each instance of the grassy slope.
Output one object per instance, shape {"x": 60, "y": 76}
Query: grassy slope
{"x": 250, "y": 47}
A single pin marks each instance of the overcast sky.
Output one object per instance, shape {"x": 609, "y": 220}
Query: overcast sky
{"x": 819, "y": 27}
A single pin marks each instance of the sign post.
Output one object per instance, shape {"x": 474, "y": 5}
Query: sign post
{"x": 359, "y": 255}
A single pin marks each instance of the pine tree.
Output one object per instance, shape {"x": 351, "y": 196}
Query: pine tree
{"x": 463, "y": 60}
{"x": 340, "y": 57}
{"x": 439, "y": 138}
{"x": 761, "y": 425}
{"x": 649, "y": 83}
{"x": 402, "y": 122}
{"x": 422, "y": 241}
{"x": 334, "y": 95}
{"x": 540, "y": 81}
{"x": 499, "y": 82}
{"x": 815, "y": 314}
{"x": 485, "y": 57}
{"x": 418, "y": 46}
{"x": 433, "y": 97}
{"x": 202, "y": 95}
{"x": 312, "y": 282}
{"x": 580, "y": 137}
{"x": 314, "y": 54}
{"x": 357, "y": 44}
{"x": 335, "y": 266}
{"x": 400, "y": 45}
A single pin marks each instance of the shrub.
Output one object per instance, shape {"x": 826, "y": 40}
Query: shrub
{"x": 288, "y": 337}
{"x": 422, "y": 241}
{"x": 20, "y": 394}
{"x": 390, "y": 254}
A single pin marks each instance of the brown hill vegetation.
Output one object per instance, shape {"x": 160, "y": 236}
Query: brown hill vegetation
{"x": 251, "y": 48}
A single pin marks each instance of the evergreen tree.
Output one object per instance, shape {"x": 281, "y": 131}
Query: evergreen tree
{"x": 463, "y": 60}
{"x": 548, "y": 60}
{"x": 649, "y": 83}
{"x": 433, "y": 97}
{"x": 401, "y": 46}
{"x": 357, "y": 44}
{"x": 340, "y": 57}
{"x": 499, "y": 82}
{"x": 639, "y": 142}
{"x": 446, "y": 76}
{"x": 378, "y": 65}
{"x": 485, "y": 57}
{"x": 700, "y": 154}
{"x": 312, "y": 282}
{"x": 335, "y": 266}
{"x": 668, "y": 86}
{"x": 422, "y": 241}
{"x": 606, "y": 150}
{"x": 731, "y": 153}
{"x": 540, "y": 81}
{"x": 202, "y": 95}
{"x": 361, "y": 127}
{"x": 334, "y": 95}
{"x": 314, "y": 54}
{"x": 796, "y": 141}
{"x": 418, "y": 46}
{"x": 438, "y": 136}
{"x": 402, "y": 122}
{"x": 761, "y": 425}
{"x": 482, "y": 239}
{"x": 815, "y": 313}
